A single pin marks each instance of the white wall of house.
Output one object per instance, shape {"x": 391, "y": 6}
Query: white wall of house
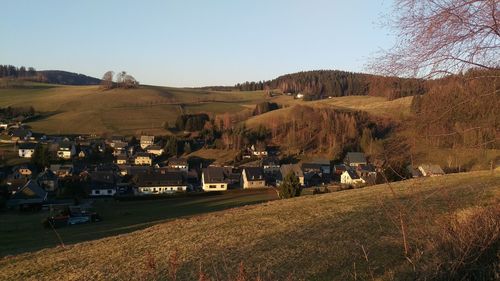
{"x": 26, "y": 153}
{"x": 161, "y": 189}
{"x": 252, "y": 183}
{"x": 345, "y": 178}
{"x": 220, "y": 186}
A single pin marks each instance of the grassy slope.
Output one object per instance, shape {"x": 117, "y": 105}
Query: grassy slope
{"x": 314, "y": 237}
{"x": 87, "y": 109}
{"x": 22, "y": 232}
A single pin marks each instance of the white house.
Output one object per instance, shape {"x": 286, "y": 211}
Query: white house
{"x": 350, "y": 177}
{"x": 147, "y": 141}
{"x": 213, "y": 179}
{"x": 159, "y": 183}
{"x": 253, "y": 177}
{"x": 26, "y": 150}
{"x": 66, "y": 150}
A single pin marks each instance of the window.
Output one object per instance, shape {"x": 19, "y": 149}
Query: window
{"x": 97, "y": 191}
{"x": 212, "y": 186}
{"x": 110, "y": 191}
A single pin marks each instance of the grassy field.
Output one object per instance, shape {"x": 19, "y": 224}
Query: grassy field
{"x": 348, "y": 235}
{"x": 21, "y": 232}
{"x": 88, "y": 109}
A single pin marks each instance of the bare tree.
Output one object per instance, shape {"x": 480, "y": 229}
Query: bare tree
{"x": 107, "y": 80}
{"x": 439, "y": 37}
{"x": 125, "y": 80}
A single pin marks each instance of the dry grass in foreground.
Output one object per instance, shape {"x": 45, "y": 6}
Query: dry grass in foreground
{"x": 349, "y": 235}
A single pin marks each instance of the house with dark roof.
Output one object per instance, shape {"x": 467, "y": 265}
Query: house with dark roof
{"x": 48, "y": 180}
{"x": 213, "y": 179}
{"x": 316, "y": 171}
{"x": 66, "y": 150}
{"x": 103, "y": 183}
{"x": 291, "y": 168}
{"x": 20, "y": 134}
{"x": 30, "y": 196}
{"x": 159, "y": 183}
{"x": 252, "y": 177}
{"x": 178, "y": 163}
{"x": 270, "y": 164}
{"x": 26, "y": 150}
{"x": 350, "y": 177}
{"x": 354, "y": 159}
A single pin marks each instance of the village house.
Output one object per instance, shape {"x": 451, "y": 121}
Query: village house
{"x": 48, "y": 180}
{"x": 160, "y": 183}
{"x": 429, "y": 170}
{"x": 26, "y": 150}
{"x": 102, "y": 183}
{"x": 143, "y": 159}
{"x": 270, "y": 164}
{"x": 121, "y": 160}
{"x": 350, "y": 177}
{"x": 354, "y": 159}
{"x": 30, "y": 196}
{"x": 147, "y": 141}
{"x": 155, "y": 150}
{"x": 286, "y": 169}
{"x": 62, "y": 171}
{"x": 252, "y": 177}
{"x": 178, "y": 163}
{"x": 213, "y": 179}
{"x": 85, "y": 151}
{"x": 367, "y": 173}
{"x": 259, "y": 149}
{"x": 66, "y": 150}
{"x": 316, "y": 172}
{"x": 25, "y": 171}
{"x": 20, "y": 134}
{"x": 120, "y": 148}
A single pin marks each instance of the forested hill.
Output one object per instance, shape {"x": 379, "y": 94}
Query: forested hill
{"x": 22, "y": 73}
{"x": 334, "y": 83}
{"x": 67, "y": 78}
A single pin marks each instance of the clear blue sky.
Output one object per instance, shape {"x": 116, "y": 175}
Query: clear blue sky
{"x": 192, "y": 43}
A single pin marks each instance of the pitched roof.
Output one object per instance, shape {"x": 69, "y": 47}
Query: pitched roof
{"x": 176, "y": 161}
{"x": 254, "y": 173}
{"x": 160, "y": 179}
{"x": 352, "y": 174}
{"x": 20, "y": 133}
{"x": 27, "y": 145}
{"x": 272, "y": 160}
{"x": 355, "y": 157}
{"x": 147, "y": 139}
{"x": 288, "y": 168}
{"x": 213, "y": 175}
{"x": 31, "y": 190}
{"x": 432, "y": 169}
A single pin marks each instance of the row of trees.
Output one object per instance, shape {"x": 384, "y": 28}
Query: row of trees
{"x": 14, "y": 112}
{"x": 16, "y": 72}
{"x": 122, "y": 80}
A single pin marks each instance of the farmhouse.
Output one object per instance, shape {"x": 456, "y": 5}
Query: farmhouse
{"x": 158, "y": 183}
{"x": 66, "y": 150}
{"x": 213, "y": 179}
{"x": 350, "y": 177}
{"x": 143, "y": 159}
{"x": 147, "y": 141}
{"x": 253, "y": 177}
{"x": 354, "y": 159}
{"x": 26, "y": 150}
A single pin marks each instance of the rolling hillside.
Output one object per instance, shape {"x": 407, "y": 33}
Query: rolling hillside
{"x": 88, "y": 109}
{"x": 347, "y": 235}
